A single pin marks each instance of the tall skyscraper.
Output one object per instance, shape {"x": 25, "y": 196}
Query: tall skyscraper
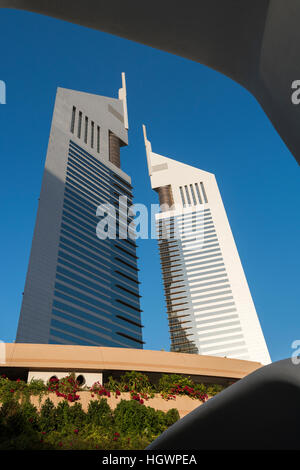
{"x": 81, "y": 289}
{"x": 209, "y": 305}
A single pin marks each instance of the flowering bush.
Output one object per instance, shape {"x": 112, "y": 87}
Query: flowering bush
{"x": 136, "y": 382}
{"x": 20, "y": 390}
{"x": 99, "y": 390}
{"x": 189, "y": 391}
{"x": 172, "y": 385}
{"x": 138, "y": 385}
{"x": 66, "y": 387}
{"x": 132, "y": 425}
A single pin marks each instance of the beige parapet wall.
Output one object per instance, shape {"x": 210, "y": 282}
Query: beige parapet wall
{"x": 49, "y": 357}
{"x": 184, "y": 405}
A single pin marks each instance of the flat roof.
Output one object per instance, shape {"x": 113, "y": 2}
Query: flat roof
{"x": 93, "y": 358}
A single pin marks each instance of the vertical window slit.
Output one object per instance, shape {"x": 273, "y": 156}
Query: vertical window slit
{"x": 79, "y": 125}
{"x": 86, "y": 129}
{"x": 92, "y": 134}
{"x": 193, "y": 194}
{"x": 98, "y": 139}
{"x": 182, "y": 195}
{"x": 73, "y": 119}
{"x": 187, "y": 195}
{"x": 198, "y": 193}
{"x": 203, "y": 192}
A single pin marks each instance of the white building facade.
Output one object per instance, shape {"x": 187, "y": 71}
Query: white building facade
{"x": 209, "y": 304}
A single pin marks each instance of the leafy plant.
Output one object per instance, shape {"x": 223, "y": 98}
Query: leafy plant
{"x": 132, "y": 418}
{"x": 99, "y": 413}
{"x": 47, "y": 418}
{"x": 67, "y": 387}
{"x": 172, "y": 416}
{"x": 99, "y": 390}
{"x": 136, "y": 382}
{"x": 130, "y": 426}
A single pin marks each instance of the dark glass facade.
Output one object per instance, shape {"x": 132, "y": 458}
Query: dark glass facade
{"x": 96, "y": 296}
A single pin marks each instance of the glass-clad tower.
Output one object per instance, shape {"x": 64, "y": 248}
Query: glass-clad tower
{"x": 209, "y": 305}
{"x": 81, "y": 289}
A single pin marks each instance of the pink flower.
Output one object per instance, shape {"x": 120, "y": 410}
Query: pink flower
{"x": 76, "y": 431}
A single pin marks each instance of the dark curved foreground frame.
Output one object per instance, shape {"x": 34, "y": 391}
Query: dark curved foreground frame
{"x": 255, "y": 42}
{"x": 261, "y": 411}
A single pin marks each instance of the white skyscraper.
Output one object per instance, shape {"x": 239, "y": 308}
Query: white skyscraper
{"x": 81, "y": 289}
{"x": 209, "y": 305}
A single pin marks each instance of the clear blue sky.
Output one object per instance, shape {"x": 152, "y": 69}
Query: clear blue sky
{"x": 193, "y": 114}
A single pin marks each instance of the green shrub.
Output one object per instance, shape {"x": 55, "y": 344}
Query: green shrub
{"x": 213, "y": 390}
{"x": 137, "y": 382}
{"x": 13, "y": 420}
{"x": 20, "y": 390}
{"x": 99, "y": 413}
{"x": 129, "y": 416}
{"x": 133, "y": 418}
{"x": 30, "y": 414}
{"x": 76, "y": 416}
{"x": 168, "y": 381}
{"x": 47, "y": 417}
{"x": 131, "y": 426}
{"x": 202, "y": 388}
{"x": 172, "y": 416}
{"x": 62, "y": 415}
{"x": 155, "y": 422}
{"x": 36, "y": 387}
{"x": 112, "y": 384}
{"x": 19, "y": 426}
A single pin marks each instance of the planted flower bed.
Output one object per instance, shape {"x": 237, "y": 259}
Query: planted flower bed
{"x": 136, "y": 384}
{"x": 61, "y": 414}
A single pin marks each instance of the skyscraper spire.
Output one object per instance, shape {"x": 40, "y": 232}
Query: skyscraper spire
{"x": 148, "y": 149}
{"x": 123, "y": 97}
